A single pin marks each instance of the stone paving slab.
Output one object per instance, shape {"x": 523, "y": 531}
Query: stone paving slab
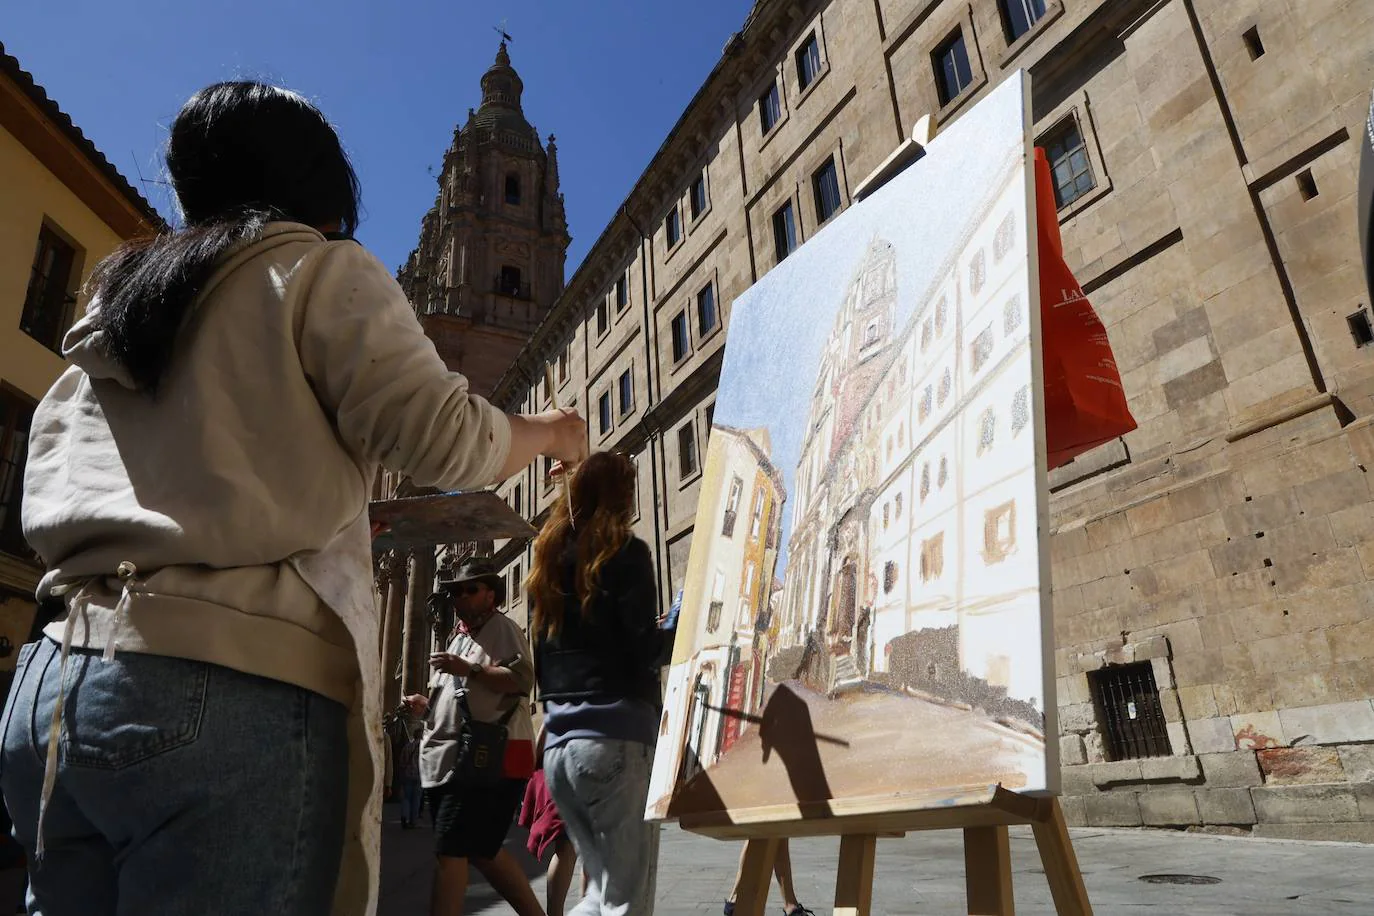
{"x": 922, "y": 874}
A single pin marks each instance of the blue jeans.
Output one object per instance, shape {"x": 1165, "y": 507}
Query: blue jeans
{"x": 411, "y": 794}
{"x": 600, "y": 786}
{"x": 183, "y": 788}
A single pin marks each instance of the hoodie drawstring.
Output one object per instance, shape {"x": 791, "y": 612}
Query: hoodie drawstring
{"x": 77, "y": 606}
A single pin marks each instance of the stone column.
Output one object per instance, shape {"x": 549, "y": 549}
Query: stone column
{"x": 394, "y": 567}
{"x": 415, "y": 664}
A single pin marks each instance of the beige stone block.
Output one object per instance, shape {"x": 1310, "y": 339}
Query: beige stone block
{"x": 1178, "y": 738}
{"x": 1357, "y": 760}
{"x": 1230, "y": 769}
{"x": 1077, "y": 717}
{"x": 1149, "y": 516}
{"x": 1291, "y": 651}
{"x": 1287, "y": 381}
{"x": 1286, "y": 766}
{"x": 1198, "y": 668}
{"x": 1275, "y": 507}
{"x": 1332, "y": 569}
{"x": 1198, "y": 702}
{"x": 1260, "y": 352}
{"x": 1225, "y": 806}
{"x": 1116, "y": 772}
{"x": 1297, "y": 542}
{"x": 1167, "y": 807}
{"x": 1210, "y": 736}
{"x": 1178, "y": 768}
{"x": 1072, "y": 751}
{"x": 1304, "y": 804}
{"x": 1353, "y": 525}
{"x": 1073, "y": 690}
{"x": 1112, "y": 809}
{"x": 1331, "y": 723}
{"x": 1255, "y": 730}
{"x": 1300, "y": 688}
{"x": 1075, "y": 810}
{"x": 1334, "y": 492}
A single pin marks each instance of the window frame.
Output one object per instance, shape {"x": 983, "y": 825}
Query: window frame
{"x": 698, "y": 209}
{"x": 1079, "y": 107}
{"x": 834, "y": 168}
{"x": 954, "y": 39}
{"x": 803, "y": 52}
{"x": 625, "y": 392}
{"x": 603, "y": 319}
{"x": 772, "y": 94}
{"x": 686, "y": 475}
{"x": 709, "y": 292}
{"x": 605, "y": 414}
{"x": 790, "y": 211}
{"x": 622, "y": 292}
{"x": 40, "y": 298}
{"x": 506, "y": 190}
{"x": 672, "y": 226}
{"x": 686, "y": 354}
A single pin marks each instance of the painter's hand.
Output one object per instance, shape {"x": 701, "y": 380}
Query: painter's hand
{"x": 418, "y": 703}
{"x": 449, "y": 663}
{"x": 567, "y": 434}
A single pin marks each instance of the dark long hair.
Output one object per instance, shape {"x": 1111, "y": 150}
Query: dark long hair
{"x": 602, "y": 492}
{"x": 240, "y": 155}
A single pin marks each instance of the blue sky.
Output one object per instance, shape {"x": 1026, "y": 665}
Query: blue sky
{"x": 608, "y": 77}
{"x": 767, "y": 377}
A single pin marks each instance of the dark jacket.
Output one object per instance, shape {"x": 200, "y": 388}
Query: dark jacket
{"x": 609, "y": 650}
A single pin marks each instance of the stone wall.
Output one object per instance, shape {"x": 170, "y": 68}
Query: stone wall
{"x": 1227, "y": 541}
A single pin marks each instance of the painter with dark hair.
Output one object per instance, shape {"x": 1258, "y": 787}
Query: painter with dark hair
{"x": 593, "y": 587}
{"x": 199, "y": 732}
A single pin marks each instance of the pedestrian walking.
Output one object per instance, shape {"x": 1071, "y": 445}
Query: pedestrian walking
{"x": 782, "y": 873}
{"x": 597, "y": 643}
{"x": 199, "y": 731}
{"x": 548, "y": 836}
{"x": 408, "y": 776}
{"x": 478, "y": 747}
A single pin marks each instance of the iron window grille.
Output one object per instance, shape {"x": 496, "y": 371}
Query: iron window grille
{"x": 1127, "y": 698}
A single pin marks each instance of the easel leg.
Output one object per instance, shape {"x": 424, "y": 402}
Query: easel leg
{"x": 756, "y": 874}
{"x": 854, "y": 877}
{"x": 1061, "y": 865}
{"x": 987, "y": 871}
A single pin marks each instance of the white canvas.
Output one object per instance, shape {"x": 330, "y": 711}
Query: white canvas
{"x": 865, "y": 622}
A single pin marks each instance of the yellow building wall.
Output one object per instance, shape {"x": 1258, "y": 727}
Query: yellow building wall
{"x": 31, "y": 194}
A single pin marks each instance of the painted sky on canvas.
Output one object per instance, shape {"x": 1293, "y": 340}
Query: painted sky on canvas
{"x": 779, "y": 327}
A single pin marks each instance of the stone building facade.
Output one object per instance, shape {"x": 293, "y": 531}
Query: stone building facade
{"x": 1214, "y": 569}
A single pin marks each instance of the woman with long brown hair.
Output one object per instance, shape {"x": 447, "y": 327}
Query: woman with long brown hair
{"x": 593, "y": 587}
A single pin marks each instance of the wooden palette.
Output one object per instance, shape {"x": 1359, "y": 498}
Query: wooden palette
{"x": 446, "y": 518}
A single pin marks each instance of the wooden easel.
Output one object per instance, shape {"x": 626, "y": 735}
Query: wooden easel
{"x": 987, "y": 852}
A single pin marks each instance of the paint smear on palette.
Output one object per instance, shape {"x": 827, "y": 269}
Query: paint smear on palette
{"x": 864, "y": 623}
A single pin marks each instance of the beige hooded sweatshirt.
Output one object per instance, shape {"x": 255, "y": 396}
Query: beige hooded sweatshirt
{"x": 236, "y": 499}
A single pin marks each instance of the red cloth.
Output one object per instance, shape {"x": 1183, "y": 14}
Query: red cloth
{"x": 539, "y": 815}
{"x": 519, "y": 760}
{"x": 1085, "y": 404}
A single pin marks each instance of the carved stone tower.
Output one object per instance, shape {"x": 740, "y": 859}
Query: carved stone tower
{"x": 489, "y": 264}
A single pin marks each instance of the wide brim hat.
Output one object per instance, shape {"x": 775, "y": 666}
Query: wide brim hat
{"x": 476, "y": 571}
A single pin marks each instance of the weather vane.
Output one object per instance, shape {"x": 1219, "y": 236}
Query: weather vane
{"x": 501, "y": 30}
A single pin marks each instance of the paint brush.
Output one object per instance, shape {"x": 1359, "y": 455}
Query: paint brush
{"x": 563, "y": 477}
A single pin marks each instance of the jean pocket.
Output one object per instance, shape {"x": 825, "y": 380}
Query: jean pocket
{"x": 132, "y": 708}
{"x": 17, "y": 694}
{"x": 599, "y": 763}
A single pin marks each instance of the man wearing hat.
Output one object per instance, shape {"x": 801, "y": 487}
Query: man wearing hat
{"x": 488, "y": 667}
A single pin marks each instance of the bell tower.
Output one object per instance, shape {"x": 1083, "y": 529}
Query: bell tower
{"x": 490, "y": 260}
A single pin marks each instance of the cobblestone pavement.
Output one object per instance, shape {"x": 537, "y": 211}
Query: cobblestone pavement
{"x": 923, "y": 874}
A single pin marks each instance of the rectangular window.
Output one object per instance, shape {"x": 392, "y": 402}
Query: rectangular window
{"x": 1129, "y": 699}
{"x": 47, "y": 305}
{"x": 808, "y": 61}
{"x": 727, "y": 528}
{"x": 999, "y": 532}
{"x": 548, "y": 474}
{"x": 603, "y": 411}
{"x": 826, "y": 184}
{"x": 889, "y": 577}
{"x": 682, "y": 341}
{"x": 770, "y": 108}
{"x": 952, "y": 71}
{"x": 756, "y": 519}
{"x": 980, "y": 350}
{"x": 627, "y": 393}
{"x": 16, "y": 417}
{"x": 933, "y": 557}
{"x": 686, "y": 451}
{"x": 672, "y": 227}
{"x": 519, "y": 499}
{"x": 622, "y": 293}
{"x": 706, "y": 310}
{"x": 563, "y": 364}
{"x": 1068, "y": 155}
{"x": 784, "y": 231}
{"x": 1019, "y": 15}
{"x": 603, "y": 320}
{"x": 698, "y": 195}
{"x": 516, "y": 581}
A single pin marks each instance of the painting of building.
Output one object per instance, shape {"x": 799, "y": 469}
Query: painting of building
{"x": 887, "y": 372}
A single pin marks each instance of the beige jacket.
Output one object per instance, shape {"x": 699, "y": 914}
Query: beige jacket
{"x": 239, "y": 493}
